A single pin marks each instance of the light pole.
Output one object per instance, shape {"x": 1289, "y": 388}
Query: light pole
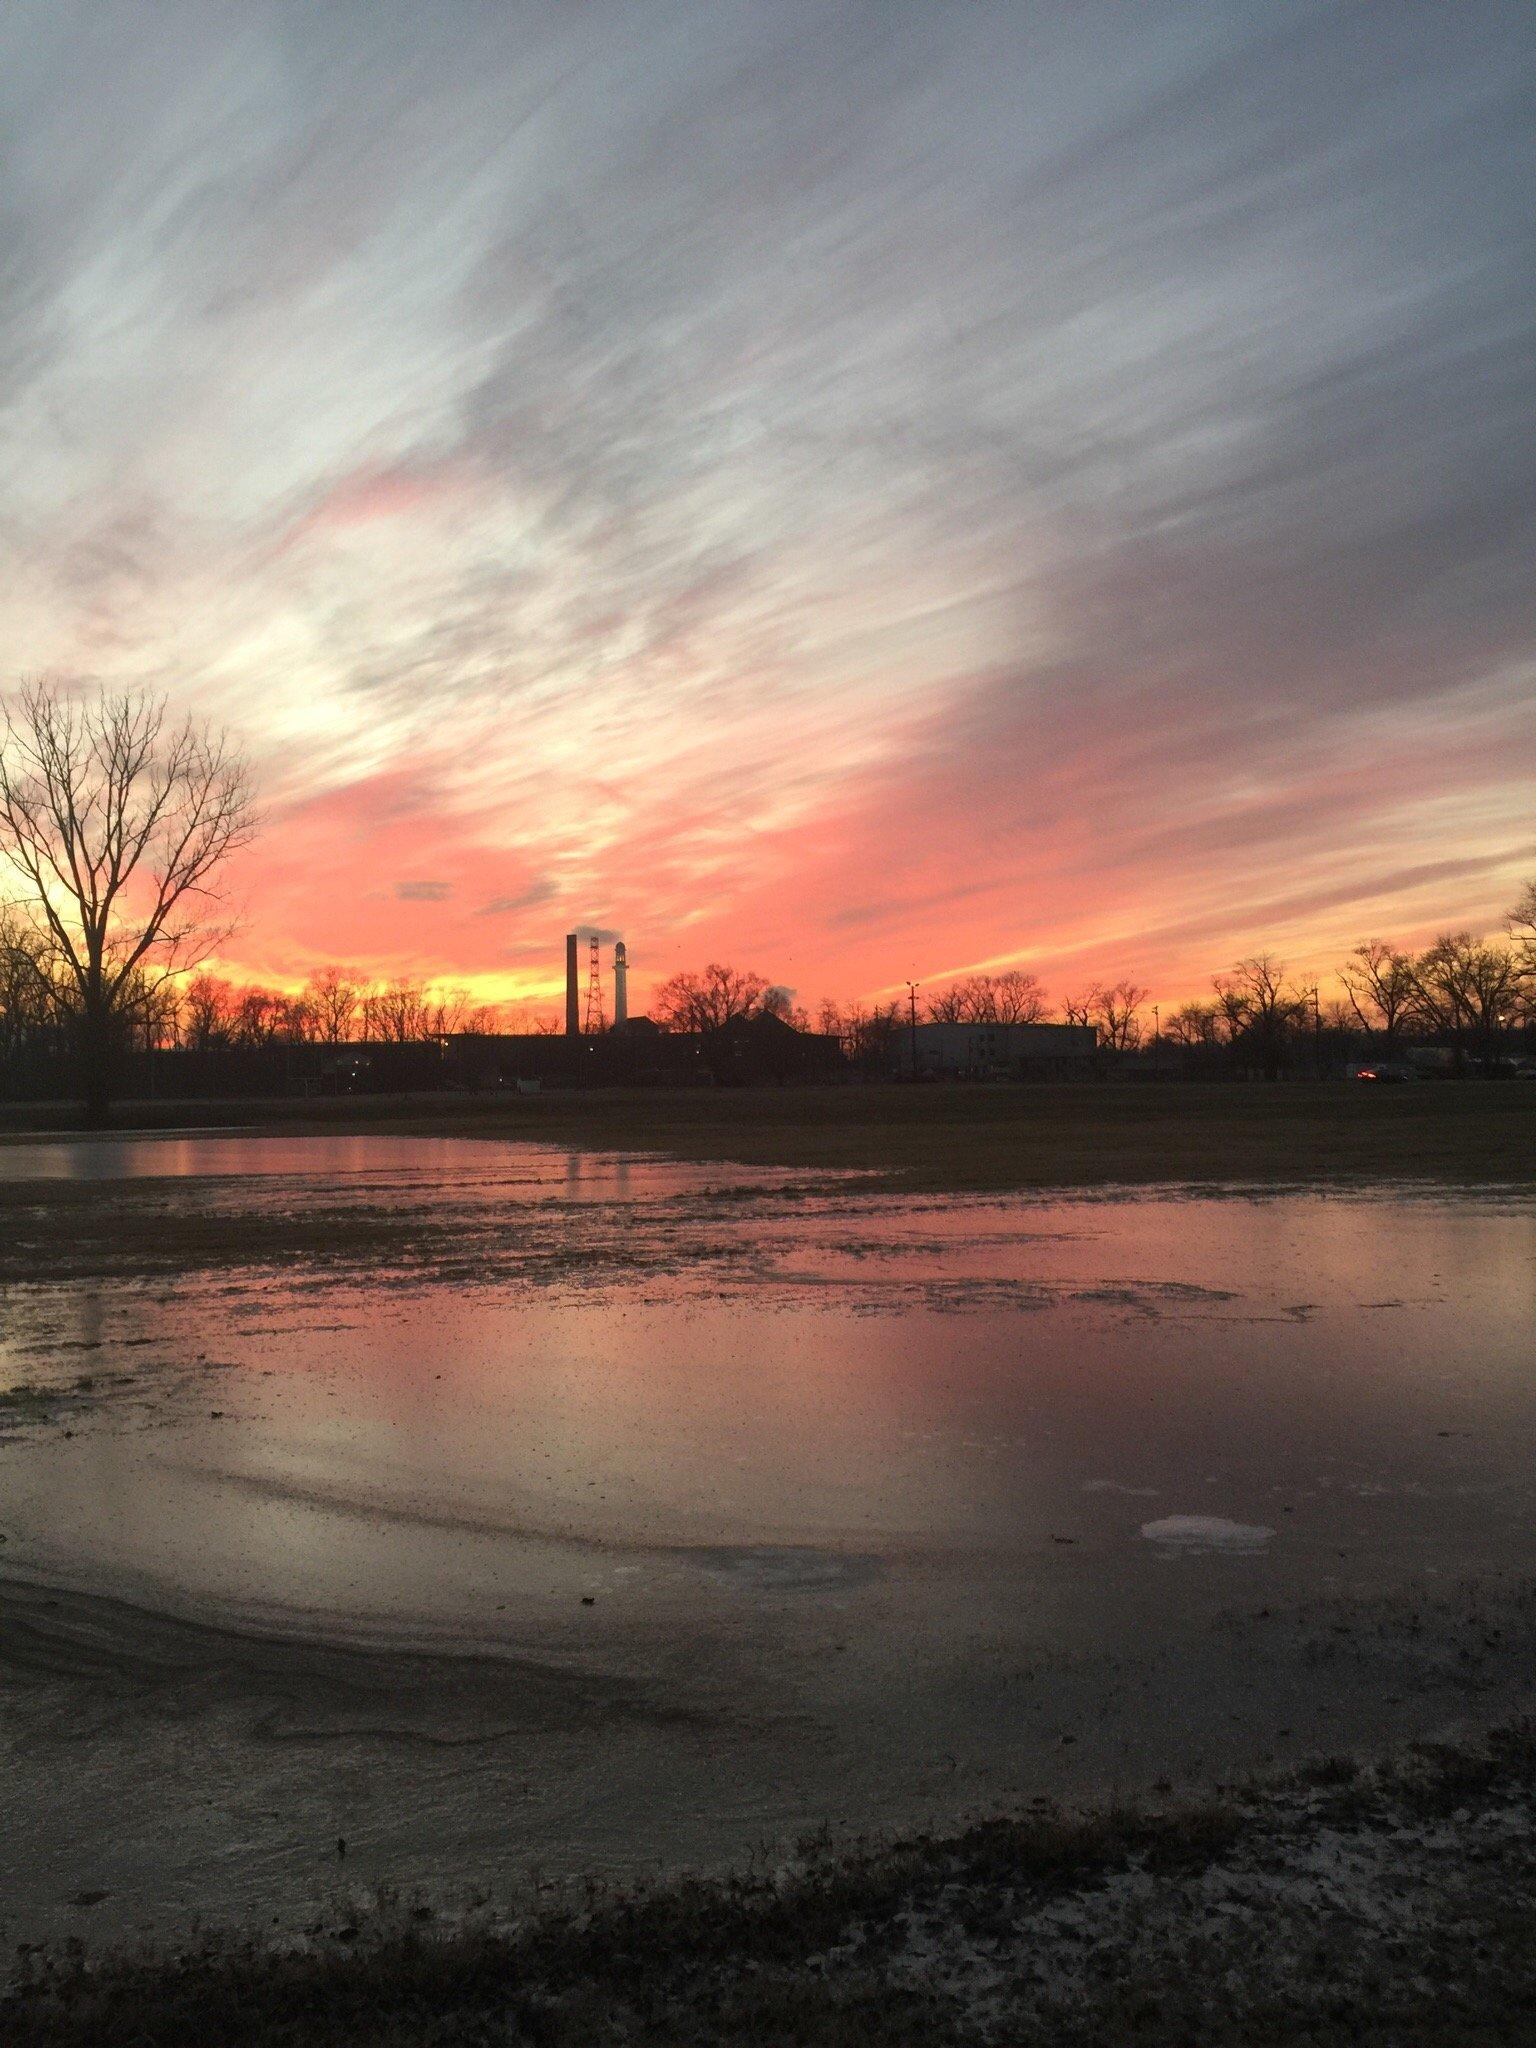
{"x": 912, "y": 988}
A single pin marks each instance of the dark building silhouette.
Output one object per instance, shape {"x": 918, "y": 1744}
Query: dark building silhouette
{"x": 995, "y": 1051}
{"x": 748, "y": 1050}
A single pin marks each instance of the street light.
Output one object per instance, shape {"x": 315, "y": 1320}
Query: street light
{"x": 912, "y": 988}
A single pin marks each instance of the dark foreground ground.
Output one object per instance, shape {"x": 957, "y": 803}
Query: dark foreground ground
{"x": 1337, "y": 1906}
{"x": 964, "y": 1137}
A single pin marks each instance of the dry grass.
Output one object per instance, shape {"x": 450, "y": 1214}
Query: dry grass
{"x": 1339, "y": 1907}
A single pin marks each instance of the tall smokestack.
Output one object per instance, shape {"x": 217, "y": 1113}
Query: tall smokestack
{"x": 620, "y": 987}
{"x": 572, "y": 993}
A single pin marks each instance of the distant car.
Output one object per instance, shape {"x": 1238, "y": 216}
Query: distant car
{"x": 1384, "y": 1070}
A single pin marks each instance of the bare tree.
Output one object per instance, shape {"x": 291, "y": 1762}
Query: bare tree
{"x": 332, "y": 995}
{"x": 149, "y": 1008}
{"x": 1115, "y": 1011}
{"x": 1018, "y": 998}
{"x": 525, "y": 1019}
{"x": 258, "y": 1018}
{"x": 1466, "y": 989}
{"x": 117, "y": 822}
{"x": 950, "y": 1005}
{"x": 1194, "y": 1024}
{"x": 866, "y": 1037}
{"x": 1522, "y": 937}
{"x": 1231, "y": 1008}
{"x": 29, "y": 995}
{"x": 447, "y": 1012}
{"x": 207, "y": 1012}
{"x": 1379, "y": 982}
{"x": 482, "y": 1019}
{"x": 1012, "y": 997}
{"x": 708, "y": 1001}
{"x": 398, "y": 1013}
{"x": 296, "y": 1021}
{"x": 1258, "y": 1005}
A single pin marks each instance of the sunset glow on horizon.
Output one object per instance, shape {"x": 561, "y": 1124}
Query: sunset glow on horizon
{"x": 855, "y": 492}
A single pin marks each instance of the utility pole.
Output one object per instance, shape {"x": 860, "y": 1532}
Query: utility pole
{"x": 912, "y": 987}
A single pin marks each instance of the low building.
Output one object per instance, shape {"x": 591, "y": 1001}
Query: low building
{"x": 764, "y": 1047}
{"x": 757, "y": 1049}
{"x": 996, "y": 1052}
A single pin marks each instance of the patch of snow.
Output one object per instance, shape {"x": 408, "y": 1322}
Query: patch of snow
{"x": 1181, "y": 1534}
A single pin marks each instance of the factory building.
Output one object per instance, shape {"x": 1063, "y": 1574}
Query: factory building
{"x": 748, "y": 1051}
{"x": 587, "y": 1018}
{"x": 999, "y": 1052}
{"x": 632, "y": 1050}
{"x": 756, "y": 1049}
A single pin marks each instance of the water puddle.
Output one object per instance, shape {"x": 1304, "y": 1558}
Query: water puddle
{"x": 465, "y": 1494}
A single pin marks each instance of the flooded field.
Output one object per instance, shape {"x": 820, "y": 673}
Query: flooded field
{"x": 486, "y": 1508}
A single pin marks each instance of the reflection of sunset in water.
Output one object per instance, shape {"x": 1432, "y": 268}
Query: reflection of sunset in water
{"x": 920, "y": 1380}
{"x": 631, "y": 1509}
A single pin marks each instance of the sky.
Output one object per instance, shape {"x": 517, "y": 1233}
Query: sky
{"x": 858, "y": 489}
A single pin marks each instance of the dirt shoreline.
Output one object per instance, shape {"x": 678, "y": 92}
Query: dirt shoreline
{"x": 103, "y": 1688}
{"x": 961, "y": 1137}
{"x": 1333, "y": 1904}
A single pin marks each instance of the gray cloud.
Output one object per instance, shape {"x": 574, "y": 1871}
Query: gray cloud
{"x": 423, "y": 892}
{"x": 537, "y": 892}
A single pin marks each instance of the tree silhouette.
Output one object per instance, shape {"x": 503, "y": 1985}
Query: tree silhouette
{"x": 1379, "y": 981}
{"x": 117, "y": 823}
{"x": 708, "y": 1001}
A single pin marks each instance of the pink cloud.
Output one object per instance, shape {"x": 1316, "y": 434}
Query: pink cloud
{"x": 380, "y": 492}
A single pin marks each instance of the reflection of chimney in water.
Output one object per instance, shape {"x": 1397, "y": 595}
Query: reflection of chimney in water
{"x": 620, "y": 987}
{"x": 572, "y": 1002}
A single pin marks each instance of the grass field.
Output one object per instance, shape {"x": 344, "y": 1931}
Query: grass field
{"x": 976, "y": 1137}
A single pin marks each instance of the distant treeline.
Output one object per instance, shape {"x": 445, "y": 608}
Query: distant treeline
{"x": 1475, "y": 997}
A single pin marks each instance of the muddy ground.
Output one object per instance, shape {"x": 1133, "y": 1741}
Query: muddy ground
{"x": 981, "y": 1136}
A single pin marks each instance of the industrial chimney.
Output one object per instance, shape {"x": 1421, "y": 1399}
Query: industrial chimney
{"x": 572, "y": 993}
{"x": 620, "y": 987}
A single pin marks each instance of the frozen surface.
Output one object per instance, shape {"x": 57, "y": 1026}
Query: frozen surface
{"x": 631, "y": 1513}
